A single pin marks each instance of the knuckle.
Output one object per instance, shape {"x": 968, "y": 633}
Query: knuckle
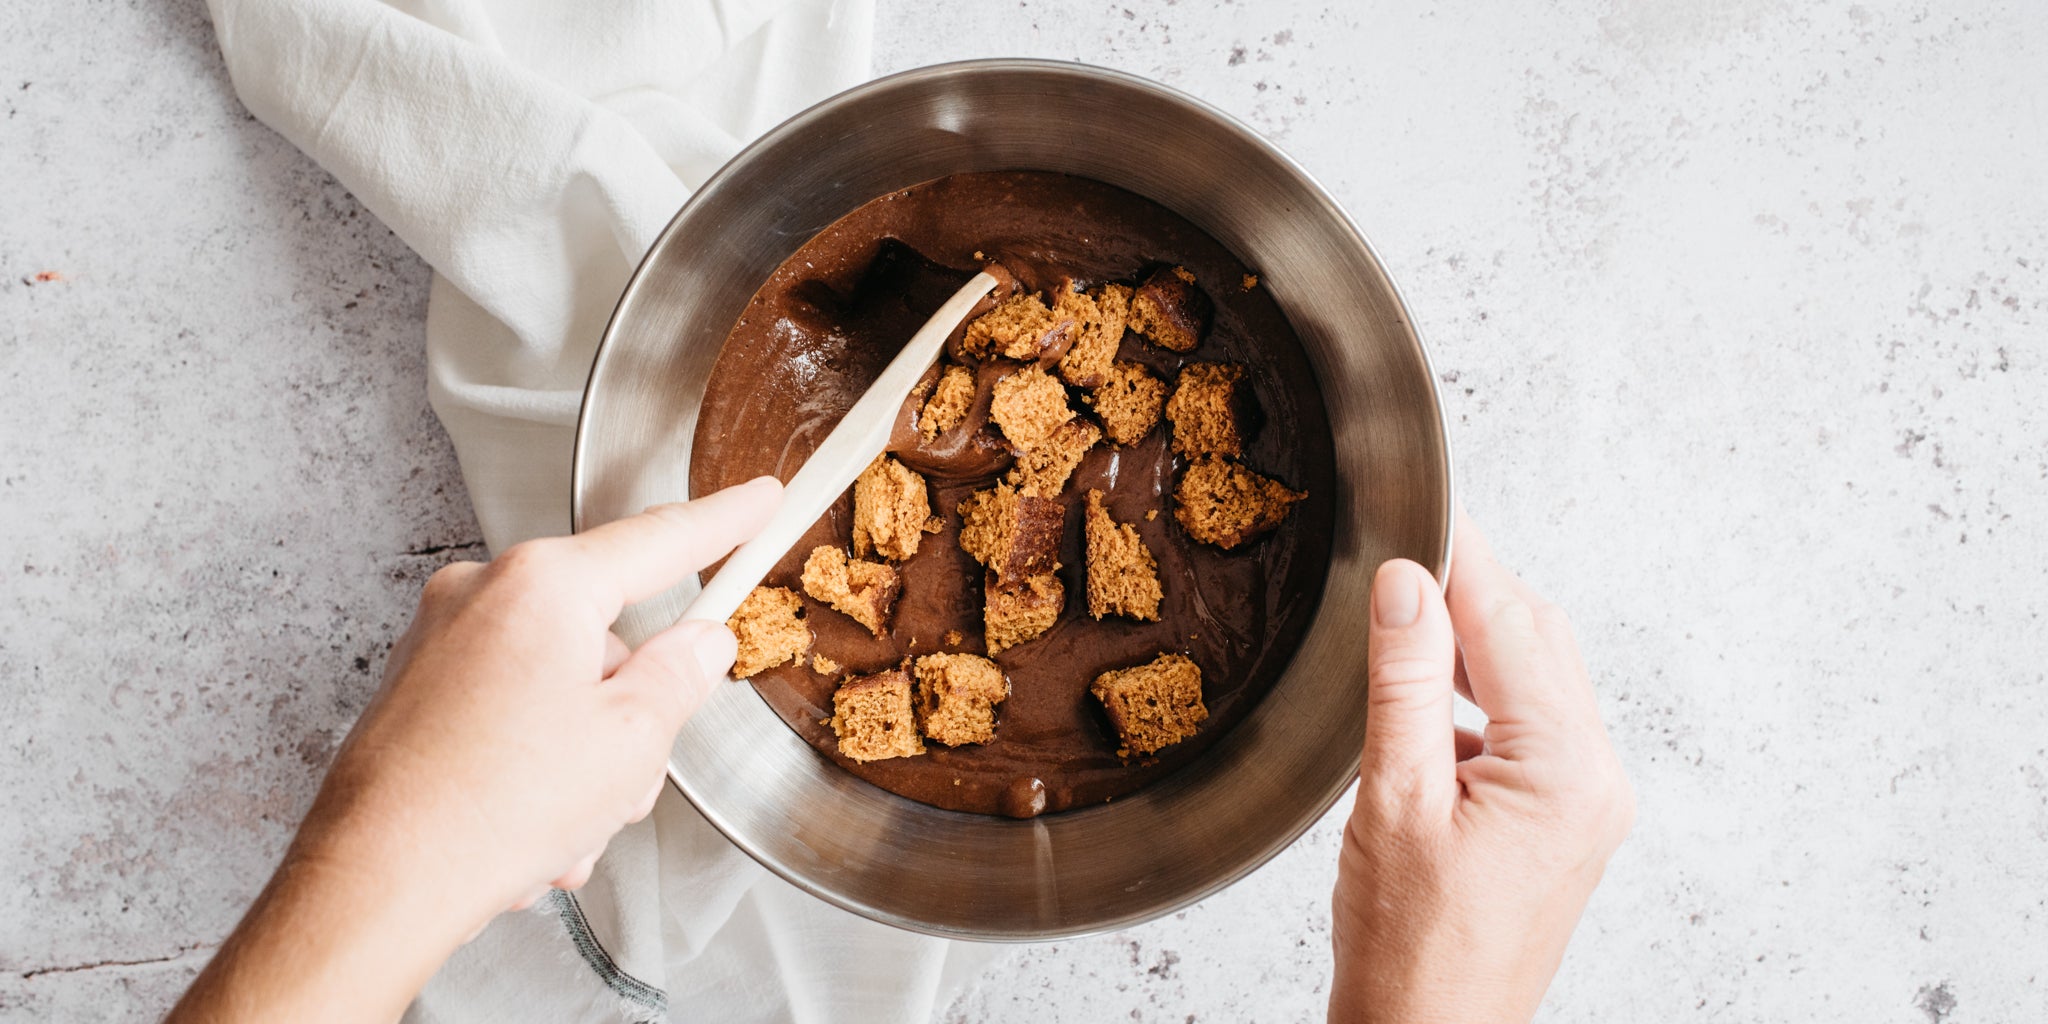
{"x": 1405, "y": 670}
{"x": 1510, "y": 618}
{"x": 1621, "y": 816}
{"x": 1551, "y": 619}
{"x": 448, "y": 579}
{"x": 675, "y": 513}
{"x": 530, "y": 562}
{"x": 1603, "y": 803}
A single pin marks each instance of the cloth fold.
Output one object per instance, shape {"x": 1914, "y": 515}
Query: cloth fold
{"x": 531, "y": 151}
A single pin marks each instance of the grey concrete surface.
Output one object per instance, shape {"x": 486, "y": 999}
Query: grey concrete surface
{"x": 1739, "y": 308}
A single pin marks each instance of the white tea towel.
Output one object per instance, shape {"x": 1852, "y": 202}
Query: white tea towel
{"x": 531, "y": 150}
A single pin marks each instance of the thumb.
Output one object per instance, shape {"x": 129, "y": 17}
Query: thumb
{"x": 1411, "y": 654}
{"x": 676, "y": 669}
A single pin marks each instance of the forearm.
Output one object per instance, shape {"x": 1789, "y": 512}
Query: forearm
{"x": 335, "y": 936}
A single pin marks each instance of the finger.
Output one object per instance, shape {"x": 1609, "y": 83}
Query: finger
{"x": 647, "y": 803}
{"x": 1409, "y": 651}
{"x": 1469, "y": 744}
{"x": 576, "y": 877}
{"x": 1508, "y": 662}
{"x": 676, "y": 670}
{"x": 640, "y": 556}
{"x": 615, "y": 653}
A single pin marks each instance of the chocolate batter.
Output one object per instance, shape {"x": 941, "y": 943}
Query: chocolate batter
{"x": 819, "y": 332}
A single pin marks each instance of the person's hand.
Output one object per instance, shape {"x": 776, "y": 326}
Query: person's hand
{"x": 513, "y": 736}
{"x": 1465, "y": 867}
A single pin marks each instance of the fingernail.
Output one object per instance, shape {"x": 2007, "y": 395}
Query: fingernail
{"x": 1396, "y": 596}
{"x": 716, "y": 648}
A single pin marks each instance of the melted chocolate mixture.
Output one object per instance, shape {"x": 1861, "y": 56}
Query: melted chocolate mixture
{"x": 820, "y": 331}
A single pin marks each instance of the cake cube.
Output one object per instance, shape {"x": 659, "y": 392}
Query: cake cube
{"x": 1020, "y": 327}
{"x": 1128, "y": 401}
{"x": 864, "y": 591}
{"x": 1029, "y": 405}
{"x": 1154, "y": 705}
{"x": 1014, "y": 535}
{"x": 890, "y": 508}
{"x": 1043, "y": 471}
{"x": 1020, "y": 610}
{"x": 1123, "y": 577}
{"x": 957, "y": 696}
{"x": 873, "y": 719}
{"x": 1170, "y": 310}
{"x": 1222, "y": 503}
{"x": 949, "y": 403}
{"x": 1205, "y": 407}
{"x": 1101, "y": 314}
{"x": 770, "y": 628}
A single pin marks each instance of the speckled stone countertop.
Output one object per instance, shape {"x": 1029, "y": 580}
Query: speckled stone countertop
{"x": 1739, "y": 309}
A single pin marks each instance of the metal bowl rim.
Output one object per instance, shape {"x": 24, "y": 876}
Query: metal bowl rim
{"x": 800, "y": 122}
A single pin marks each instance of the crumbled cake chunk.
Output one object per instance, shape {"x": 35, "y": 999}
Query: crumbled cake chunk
{"x": 1020, "y": 610}
{"x": 1154, "y": 705}
{"x": 1029, "y": 405}
{"x": 954, "y": 638}
{"x": 1250, "y": 282}
{"x": 770, "y": 629}
{"x": 1020, "y": 327}
{"x": 873, "y": 719}
{"x": 949, "y": 403}
{"x": 1128, "y": 401}
{"x": 862, "y": 590}
{"x": 1043, "y": 471}
{"x": 1222, "y": 503}
{"x": 1170, "y": 310}
{"x": 890, "y": 506}
{"x": 957, "y": 696}
{"x": 824, "y": 666}
{"x": 1204, "y": 410}
{"x": 1101, "y": 314}
{"x": 1013, "y": 534}
{"x": 1123, "y": 577}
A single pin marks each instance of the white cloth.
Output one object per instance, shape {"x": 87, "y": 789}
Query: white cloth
{"x": 531, "y": 150}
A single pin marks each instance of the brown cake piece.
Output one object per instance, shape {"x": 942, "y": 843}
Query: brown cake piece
{"x": 1029, "y": 405}
{"x": 1020, "y": 610}
{"x": 1171, "y": 310}
{"x": 824, "y": 666}
{"x": 1154, "y": 705}
{"x": 1205, "y": 410}
{"x": 949, "y": 403}
{"x": 890, "y": 507}
{"x": 1128, "y": 402}
{"x": 873, "y": 719}
{"x": 957, "y": 696}
{"x": 1222, "y": 503}
{"x": 1013, "y": 535}
{"x": 770, "y": 628}
{"x": 1101, "y": 314}
{"x": 1123, "y": 577}
{"x": 862, "y": 590}
{"x": 1020, "y": 327}
{"x": 1043, "y": 471}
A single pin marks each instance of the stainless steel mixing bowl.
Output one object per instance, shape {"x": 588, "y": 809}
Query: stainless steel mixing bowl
{"x": 1214, "y": 821}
